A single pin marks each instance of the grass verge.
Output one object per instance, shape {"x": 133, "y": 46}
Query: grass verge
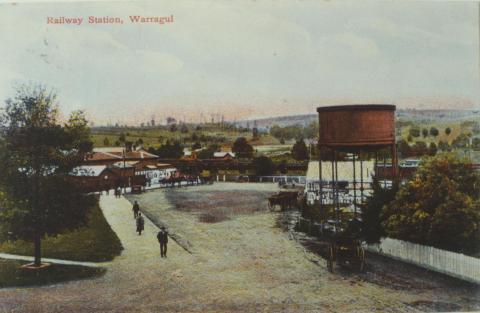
{"x": 95, "y": 242}
{"x": 12, "y": 275}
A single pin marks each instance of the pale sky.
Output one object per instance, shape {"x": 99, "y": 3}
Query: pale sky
{"x": 243, "y": 59}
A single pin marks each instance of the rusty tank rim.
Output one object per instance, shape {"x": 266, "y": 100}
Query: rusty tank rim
{"x": 359, "y": 107}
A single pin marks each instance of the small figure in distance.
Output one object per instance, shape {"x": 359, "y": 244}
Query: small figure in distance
{"x": 162, "y": 237}
{"x": 135, "y": 209}
{"x": 140, "y": 223}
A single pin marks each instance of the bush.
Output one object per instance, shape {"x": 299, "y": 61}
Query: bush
{"x": 372, "y": 230}
{"x": 299, "y": 150}
{"x": 438, "y": 207}
{"x": 263, "y": 166}
{"x": 414, "y": 131}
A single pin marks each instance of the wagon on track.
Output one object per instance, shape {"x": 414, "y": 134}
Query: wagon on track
{"x": 346, "y": 251}
{"x": 283, "y": 199}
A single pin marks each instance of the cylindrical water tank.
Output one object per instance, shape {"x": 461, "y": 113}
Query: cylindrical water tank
{"x": 354, "y": 126}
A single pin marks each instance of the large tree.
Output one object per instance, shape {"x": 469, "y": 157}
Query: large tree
{"x": 439, "y": 206}
{"x": 300, "y": 150}
{"x": 242, "y": 148}
{"x": 37, "y": 153}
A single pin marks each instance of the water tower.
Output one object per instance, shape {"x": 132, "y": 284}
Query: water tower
{"x": 356, "y": 130}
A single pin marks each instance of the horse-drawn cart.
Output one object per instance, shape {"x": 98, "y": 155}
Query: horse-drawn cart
{"x": 283, "y": 199}
{"x": 346, "y": 251}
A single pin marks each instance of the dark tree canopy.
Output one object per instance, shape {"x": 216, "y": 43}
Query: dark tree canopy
{"x": 242, "y": 148}
{"x": 414, "y": 131}
{"x": 263, "y": 166}
{"x": 439, "y": 206}
{"x": 424, "y": 132}
{"x": 37, "y": 153}
{"x": 168, "y": 150}
{"x": 300, "y": 150}
{"x": 372, "y": 230}
{"x": 196, "y": 146}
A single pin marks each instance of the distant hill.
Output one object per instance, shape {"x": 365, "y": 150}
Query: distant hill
{"x": 438, "y": 115}
{"x": 404, "y": 114}
{"x": 303, "y": 119}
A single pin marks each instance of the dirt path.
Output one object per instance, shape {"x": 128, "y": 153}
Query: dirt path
{"x": 246, "y": 261}
{"x": 8, "y": 256}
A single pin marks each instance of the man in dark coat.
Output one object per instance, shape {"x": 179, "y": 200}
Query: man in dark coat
{"x": 162, "y": 237}
{"x": 140, "y": 223}
{"x": 136, "y": 209}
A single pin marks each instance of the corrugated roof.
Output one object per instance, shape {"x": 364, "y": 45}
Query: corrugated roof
{"x": 345, "y": 170}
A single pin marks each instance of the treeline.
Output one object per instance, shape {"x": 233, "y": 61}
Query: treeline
{"x": 294, "y": 132}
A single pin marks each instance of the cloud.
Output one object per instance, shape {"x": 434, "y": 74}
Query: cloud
{"x": 243, "y": 58}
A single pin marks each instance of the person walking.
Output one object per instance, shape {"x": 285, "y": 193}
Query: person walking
{"x": 135, "y": 209}
{"x": 140, "y": 223}
{"x": 162, "y": 237}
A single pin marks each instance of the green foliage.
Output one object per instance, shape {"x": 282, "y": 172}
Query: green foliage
{"x": 184, "y": 129}
{"x": 439, "y": 206}
{"x": 476, "y": 144}
{"x": 461, "y": 141}
{"x": 448, "y": 131}
{"x": 372, "y": 229}
{"x": 36, "y": 155}
{"x": 419, "y": 149}
{"x": 444, "y": 146}
{"x": 282, "y": 167}
{"x": 414, "y": 131}
{"x": 311, "y": 130}
{"x": 168, "y": 150}
{"x": 12, "y": 275}
{"x": 294, "y": 131}
{"x": 299, "y": 150}
{"x": 208, "y": 152}
{"x": 94, "y": 242}
{"x": 242, "y": 148}
{"x": 424, "y": 132}
{"x": 432, "y": 149}
{"x": 106, "y": 142}
{"x": 434, "y": 131}
{"x": 403, "y": 148}
{"x": 263, "y": 166}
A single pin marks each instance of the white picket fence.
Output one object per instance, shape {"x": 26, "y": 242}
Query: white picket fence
{"x": 446, "y": 262}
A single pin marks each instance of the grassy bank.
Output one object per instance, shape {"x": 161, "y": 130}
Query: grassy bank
{"x": 12, "y": 275}
{"x": 95, "y": 242}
